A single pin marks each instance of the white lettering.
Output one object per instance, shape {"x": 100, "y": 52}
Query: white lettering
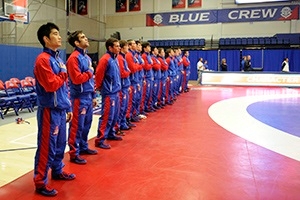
{"x": 235, "y": 13}
{"x": 204, "y": 16}
{"x": 252, "y": 14}
{"x": 268, "y": 13}
{"x": 174, "y": 18}
{"x": 255, "y": 14}
{"x": 244, "y": 13}
{"x": 182, "y": 18}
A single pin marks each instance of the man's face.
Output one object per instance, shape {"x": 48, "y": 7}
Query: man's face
{"x": 54, "y": 40}
{"x": 83, "y": 41}
{"x": 155, "y": 51}
{"x": 133, "y": 46}
{"x": 116, "y": 48}
{"x": 125, "y": 49}
{"x": 139, "y": 47}
{"x": 147, "y": 49}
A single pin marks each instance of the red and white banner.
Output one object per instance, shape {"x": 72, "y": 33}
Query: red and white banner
{"x": 121, "y": 5}
{"x": 194, "y": 3}
{"x": 134, "y": 5}
{"x": 178, "y": 4}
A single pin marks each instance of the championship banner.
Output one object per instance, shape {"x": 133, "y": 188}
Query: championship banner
{"x": 178, "y": 3}
{"x": 194, "y": 3}
{"x": 250, "y": 79}
{"x": 134, "y": 5}
{"x": 272, "y": 13}
{"x": 121, "y": 5}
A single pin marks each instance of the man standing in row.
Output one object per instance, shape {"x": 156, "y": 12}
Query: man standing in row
{"x": 53, "y": 104}
{"x": 83, "y": 97}
{"x": 108, "y": 82}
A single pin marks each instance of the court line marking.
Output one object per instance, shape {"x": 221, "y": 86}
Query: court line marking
{"x": 242, "y": 124}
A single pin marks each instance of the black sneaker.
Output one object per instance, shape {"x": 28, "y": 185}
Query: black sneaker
{"x": 115, "y": 138}
{"x": 88, "y": 152}
{"x": 78, "y": 160}
{"x": 63, "y": 176}
{"x": 46, "y": 191}
{"x": 102, "y": 145}
{"x": 120, "y": 133}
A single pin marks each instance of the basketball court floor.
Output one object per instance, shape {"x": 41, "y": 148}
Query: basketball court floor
{"x": 212, "y": 143}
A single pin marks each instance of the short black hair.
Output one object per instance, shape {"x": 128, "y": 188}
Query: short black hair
{"x": 45, "y": 30}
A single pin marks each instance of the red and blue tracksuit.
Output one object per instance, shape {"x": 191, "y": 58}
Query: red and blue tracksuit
{"x": 135, "y": 67}
{"x": 157, "y": 79}
{"x": 187, "y": 71}
{"x": 164, "y": 76}
{"x": 124, "y": 93}
{"x": 82, "y": 93}
{"x": 149, "y": 79}
{"x": 140, "y": 89}
{"x": 108, "y": 82}
{"x": 178, "y": 62}
{"x": 53, "y": 103}
{"x": 172, "y": 69}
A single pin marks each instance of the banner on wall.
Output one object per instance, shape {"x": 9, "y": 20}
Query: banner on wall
{"x": 121, "y": 5}
{"x": 73, "y": 6}
{"x": 194, "y": 3}
{"x": 272, "y": 13}
{"x": 134, "y": 5}
{"x": 178, "y": 3}
{"x": 82, "y": 8}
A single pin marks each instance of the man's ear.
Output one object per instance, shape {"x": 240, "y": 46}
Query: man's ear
{"x": 46, "y": 39}
{"x": 76, "y": 43}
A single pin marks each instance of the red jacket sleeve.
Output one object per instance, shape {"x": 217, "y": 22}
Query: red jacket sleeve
{"x": 185, "y": 62}
{"x": 163, "y": 66}
{"x": 134, "y": 67}
{"x": 156, "y": 65}
{"x": 50, "y": 81}
{"x": 147, "y": 66}
{"x": 124, "y": 73}
{"x": 75, "y": 74}
{"x": 100, "y": 72}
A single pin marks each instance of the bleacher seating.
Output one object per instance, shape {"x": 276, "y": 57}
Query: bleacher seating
{"x": 187, "y": 43}
{"x": 275, "y": 41}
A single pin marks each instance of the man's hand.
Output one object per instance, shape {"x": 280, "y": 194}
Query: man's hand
{"x": 69, "y": 116}
{"x": 95, "y": 103}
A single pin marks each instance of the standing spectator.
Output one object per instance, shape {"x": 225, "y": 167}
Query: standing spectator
{"x": 247, "y": 65}
{"x": 53, "y": 104}
{"x": 285, "y": 65}
{"x": 187, "y": 70}
{"x": 223, "y": 66}
{"x": 83, "y": 97}
{"x": 242, "y": 66}
{"x": 108, "y": 82}
{"x": 200, "y": 68}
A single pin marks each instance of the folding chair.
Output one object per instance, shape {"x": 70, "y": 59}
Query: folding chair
{"x": 28, "y": 88}
{"x": 13, "y": 90}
